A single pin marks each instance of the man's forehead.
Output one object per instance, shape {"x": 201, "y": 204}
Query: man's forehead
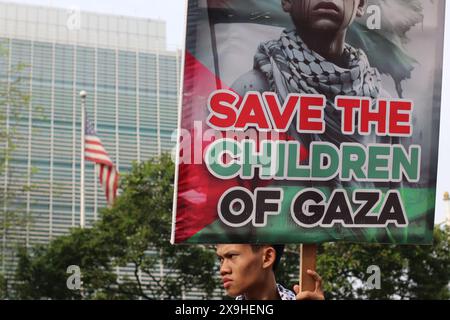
{"x": 224, "y": 248}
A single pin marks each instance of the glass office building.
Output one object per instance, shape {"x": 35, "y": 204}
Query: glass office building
{"x": 132, "y": 81}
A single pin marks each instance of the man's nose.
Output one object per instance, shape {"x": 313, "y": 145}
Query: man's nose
{"x": 224, "y": 268}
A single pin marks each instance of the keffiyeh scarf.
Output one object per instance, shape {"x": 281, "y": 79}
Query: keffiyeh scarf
{"x": 284, "y": 293}
{"x": 291, "y": 67}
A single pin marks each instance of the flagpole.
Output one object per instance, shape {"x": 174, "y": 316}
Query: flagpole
{"x": 83, "y": 95}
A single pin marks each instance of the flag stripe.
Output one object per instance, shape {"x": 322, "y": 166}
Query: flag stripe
{"x": 99, "y": 152}
{"x": 100, "y": 169}
{"x": 99, "y": 161}
{"x": 95, "y": 152}
{"x": 93, "y": 139}
{"x": 96, "y": 147}
{"x": 116, "y": 182}
{"x": 111, "y": 187}
{"x": 108, "y": 190}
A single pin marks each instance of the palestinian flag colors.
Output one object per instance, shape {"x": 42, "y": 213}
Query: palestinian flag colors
{"x": 282, "y": 140}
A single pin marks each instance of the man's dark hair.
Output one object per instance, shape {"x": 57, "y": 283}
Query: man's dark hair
{"x": 279, "y": 249}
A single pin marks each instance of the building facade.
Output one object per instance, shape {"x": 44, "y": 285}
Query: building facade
{"x": 132, "y": 81}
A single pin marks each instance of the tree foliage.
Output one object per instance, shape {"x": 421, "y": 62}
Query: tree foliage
{"x": 407, "y": 271}
{"x": 3, "y": 287}
{"x": 14, "y": 99}
{"x": 135, "y": 233}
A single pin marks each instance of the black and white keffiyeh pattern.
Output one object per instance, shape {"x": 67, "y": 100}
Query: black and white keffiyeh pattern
{"x": 291, "y": 67}
{"x": 284, "y": 293}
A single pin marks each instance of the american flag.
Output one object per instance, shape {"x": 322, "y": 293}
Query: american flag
{"x": 95, "y": 152}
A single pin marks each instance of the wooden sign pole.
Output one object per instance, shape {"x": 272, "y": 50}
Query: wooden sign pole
{"x": 308, "y": 254}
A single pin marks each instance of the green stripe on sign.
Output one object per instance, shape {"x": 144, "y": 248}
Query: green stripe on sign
{"x": 419, "y": 206}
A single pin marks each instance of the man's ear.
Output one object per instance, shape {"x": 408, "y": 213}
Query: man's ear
{"x": 286, "y": 5}
{"x": 268, "y": 257}
{"x": 361, "y": 8}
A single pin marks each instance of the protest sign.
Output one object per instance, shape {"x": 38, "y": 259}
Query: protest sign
{"x": 309, "y": 121}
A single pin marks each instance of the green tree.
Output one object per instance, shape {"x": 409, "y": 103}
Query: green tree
{"x": 135, "y": 233}
{"x": 288, "y": 269}
{"x": 13, "y": 100}
{"x": 3, "y": 288}
{"x": 407, "y": 271}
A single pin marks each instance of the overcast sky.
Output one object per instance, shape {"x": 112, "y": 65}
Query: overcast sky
{"x": 173, "y": 11}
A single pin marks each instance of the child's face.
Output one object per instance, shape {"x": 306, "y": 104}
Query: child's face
{"x": 324, "y": 15}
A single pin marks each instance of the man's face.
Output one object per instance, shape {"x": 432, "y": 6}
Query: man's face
{"x": 240, "y": 267}
{"x": 324, "y": 15}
